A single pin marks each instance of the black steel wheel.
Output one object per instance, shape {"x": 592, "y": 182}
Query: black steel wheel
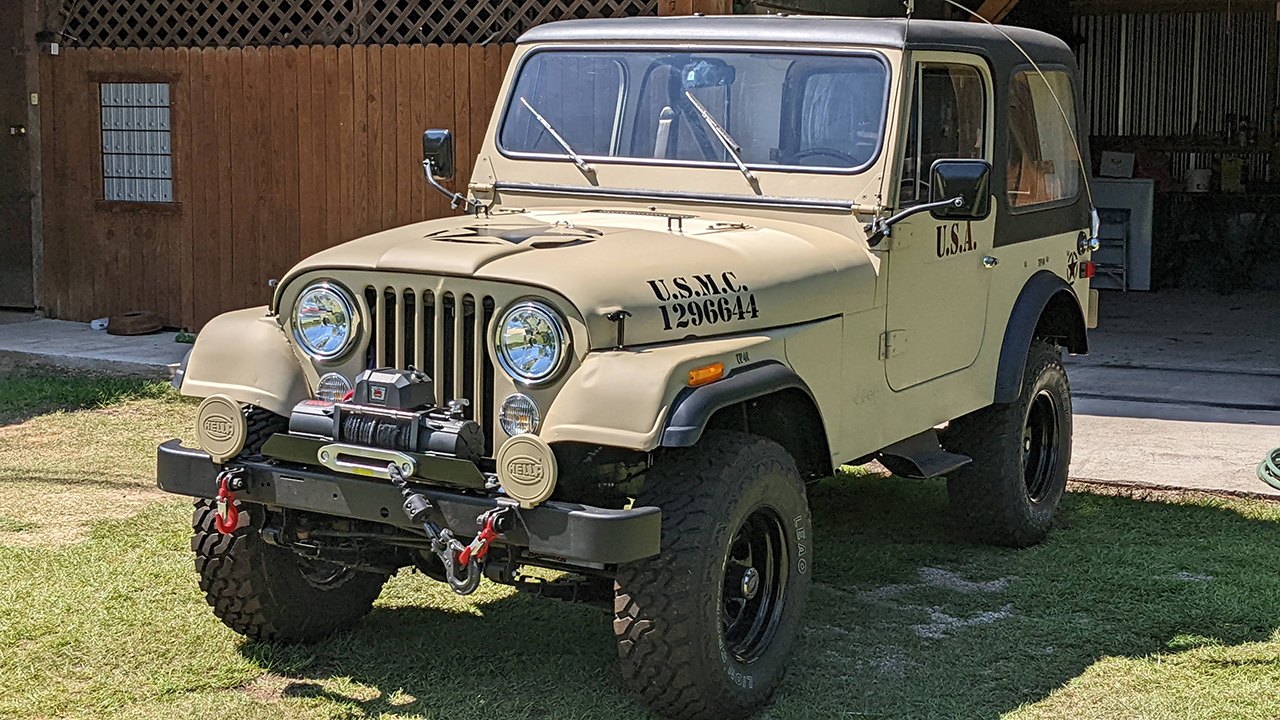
{"x": 1021, "y": 454}
{"x": 705, "y": 629}
{"x": 1040, "y": 445}
{"x": 754, "y": 590}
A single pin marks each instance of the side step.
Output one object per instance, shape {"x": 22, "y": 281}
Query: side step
{"x": 921, "y": 456}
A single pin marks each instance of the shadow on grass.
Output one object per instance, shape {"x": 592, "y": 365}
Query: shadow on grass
{"x": 905, "y": 620}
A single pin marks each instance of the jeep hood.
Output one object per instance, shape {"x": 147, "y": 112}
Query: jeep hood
{"x": 677, "y": 276}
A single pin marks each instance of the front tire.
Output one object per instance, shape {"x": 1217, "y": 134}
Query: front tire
{"x": 266, "y": 592}
{"x": 1021, "y": 454}
{"x": 706, "y": 628}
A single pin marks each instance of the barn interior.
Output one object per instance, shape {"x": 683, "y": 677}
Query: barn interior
{"x": 1183, "y": 113}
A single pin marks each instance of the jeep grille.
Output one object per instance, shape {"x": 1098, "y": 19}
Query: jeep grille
{"x": 443, "y": 335}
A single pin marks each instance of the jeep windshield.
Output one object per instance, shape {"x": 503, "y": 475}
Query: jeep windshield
{"x": 801, "y": 111}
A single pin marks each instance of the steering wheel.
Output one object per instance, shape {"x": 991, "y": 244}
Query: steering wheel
{"x": 921, "y": 188}
{"x": 829, "y": 152}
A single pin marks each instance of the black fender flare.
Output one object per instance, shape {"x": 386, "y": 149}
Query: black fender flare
{"x": 1041, "y": 291}
{"x": 693, "y": 407}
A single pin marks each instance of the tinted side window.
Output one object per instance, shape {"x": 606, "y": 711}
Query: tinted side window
{"x": 948, "y": 121}
{"x": 1043, "y": 167}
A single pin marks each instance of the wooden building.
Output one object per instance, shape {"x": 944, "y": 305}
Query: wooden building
{"x": 175, "y": 157}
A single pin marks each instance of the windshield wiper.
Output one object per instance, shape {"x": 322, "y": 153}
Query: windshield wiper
{"x": 725, "y": 139}
{"x": 577, "y": 159}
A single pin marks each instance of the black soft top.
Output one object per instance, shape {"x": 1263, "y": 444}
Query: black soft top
{"x": 814, "y": 30}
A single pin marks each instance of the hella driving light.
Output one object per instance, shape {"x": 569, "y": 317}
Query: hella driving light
{"x": 532, "y": 343}
{"x": 324, "y": 320}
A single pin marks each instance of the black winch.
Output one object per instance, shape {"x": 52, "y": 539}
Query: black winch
{"x": 393, "y": 410}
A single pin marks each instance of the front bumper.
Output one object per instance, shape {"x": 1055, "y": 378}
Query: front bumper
{"x": 558, "y": 530}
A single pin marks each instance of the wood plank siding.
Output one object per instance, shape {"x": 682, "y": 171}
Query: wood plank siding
{"x": 276, "y": 153}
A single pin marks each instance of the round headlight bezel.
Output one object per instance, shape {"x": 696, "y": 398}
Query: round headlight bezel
{"x": 563, "y": 339}
{"x": 348, "y": 303}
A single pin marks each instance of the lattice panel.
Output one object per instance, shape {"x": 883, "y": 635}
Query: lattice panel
{"x": 205, "y": 23}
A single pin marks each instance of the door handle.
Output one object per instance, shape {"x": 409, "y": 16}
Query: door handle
{"x": 990, "y": 262}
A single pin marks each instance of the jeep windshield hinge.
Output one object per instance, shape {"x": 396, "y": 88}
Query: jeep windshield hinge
{"x": 881, "y": 228}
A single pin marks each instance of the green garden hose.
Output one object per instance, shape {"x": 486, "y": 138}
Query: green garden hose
{"x": 1269, "y": 469}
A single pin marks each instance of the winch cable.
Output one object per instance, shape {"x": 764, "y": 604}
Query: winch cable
{"x": 452, "y": 553}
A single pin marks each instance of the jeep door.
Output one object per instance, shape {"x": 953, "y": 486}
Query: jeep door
{"x": 937, "y": 281}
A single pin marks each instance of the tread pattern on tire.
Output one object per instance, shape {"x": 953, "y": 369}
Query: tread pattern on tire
{"x": 656, "y": 619}
{"x": 262, "y": 424}
{"x": 988, "y": 495}
{"x": 256, "y": 589}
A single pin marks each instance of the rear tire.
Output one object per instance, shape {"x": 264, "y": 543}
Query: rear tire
{"x": 1021, "y": 454}
{"x": 266, "y": 592}
{"x": 705, "y": 629}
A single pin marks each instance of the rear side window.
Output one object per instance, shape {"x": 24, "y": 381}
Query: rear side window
{"x": 1043, "y": 167}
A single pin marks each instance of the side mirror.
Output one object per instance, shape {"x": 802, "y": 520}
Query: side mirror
{"x": 437, "y": 153}
{"x": 969, "y": 180}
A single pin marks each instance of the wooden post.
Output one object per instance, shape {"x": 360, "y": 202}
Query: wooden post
{"x": 995, "y": 10}
{"x": 689, "y": 7}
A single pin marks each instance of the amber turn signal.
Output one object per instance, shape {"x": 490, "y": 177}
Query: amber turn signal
{"x": 706, "y": 374}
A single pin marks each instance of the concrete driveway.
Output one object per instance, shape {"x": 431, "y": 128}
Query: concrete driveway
{"x": 1180, "y": 389}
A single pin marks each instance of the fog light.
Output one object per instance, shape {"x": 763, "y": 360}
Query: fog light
{"x": 519, "y": 415}
{"x": 332, "y": 388}
{"x": 221, "y": 428}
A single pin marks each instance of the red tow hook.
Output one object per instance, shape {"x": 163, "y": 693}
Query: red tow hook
{"x": 227, "y": 519}
{"x": 479, "y": 547}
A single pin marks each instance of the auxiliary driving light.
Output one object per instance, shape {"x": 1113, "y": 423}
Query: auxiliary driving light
{"x": 527, "y": 469}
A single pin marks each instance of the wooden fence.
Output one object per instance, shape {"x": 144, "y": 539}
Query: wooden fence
{"x": 276, "y": 153}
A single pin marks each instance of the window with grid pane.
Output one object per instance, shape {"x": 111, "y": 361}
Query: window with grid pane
{"x": 136, "y": 162}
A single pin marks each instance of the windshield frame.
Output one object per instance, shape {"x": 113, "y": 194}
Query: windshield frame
{"x": 874, "y": 54}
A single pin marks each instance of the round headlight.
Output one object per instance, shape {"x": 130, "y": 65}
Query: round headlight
{"x": 324, "y": 321}
{"x": 532, "y": 343}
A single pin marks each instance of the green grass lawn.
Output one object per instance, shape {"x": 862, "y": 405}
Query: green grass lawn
{"x": 1159, "y": 606}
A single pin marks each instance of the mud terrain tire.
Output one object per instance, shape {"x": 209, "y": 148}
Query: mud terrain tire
{"x": 692, "y": 636}
{"x": 269, "y": 593}
{"x": 1021, "y": 454}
